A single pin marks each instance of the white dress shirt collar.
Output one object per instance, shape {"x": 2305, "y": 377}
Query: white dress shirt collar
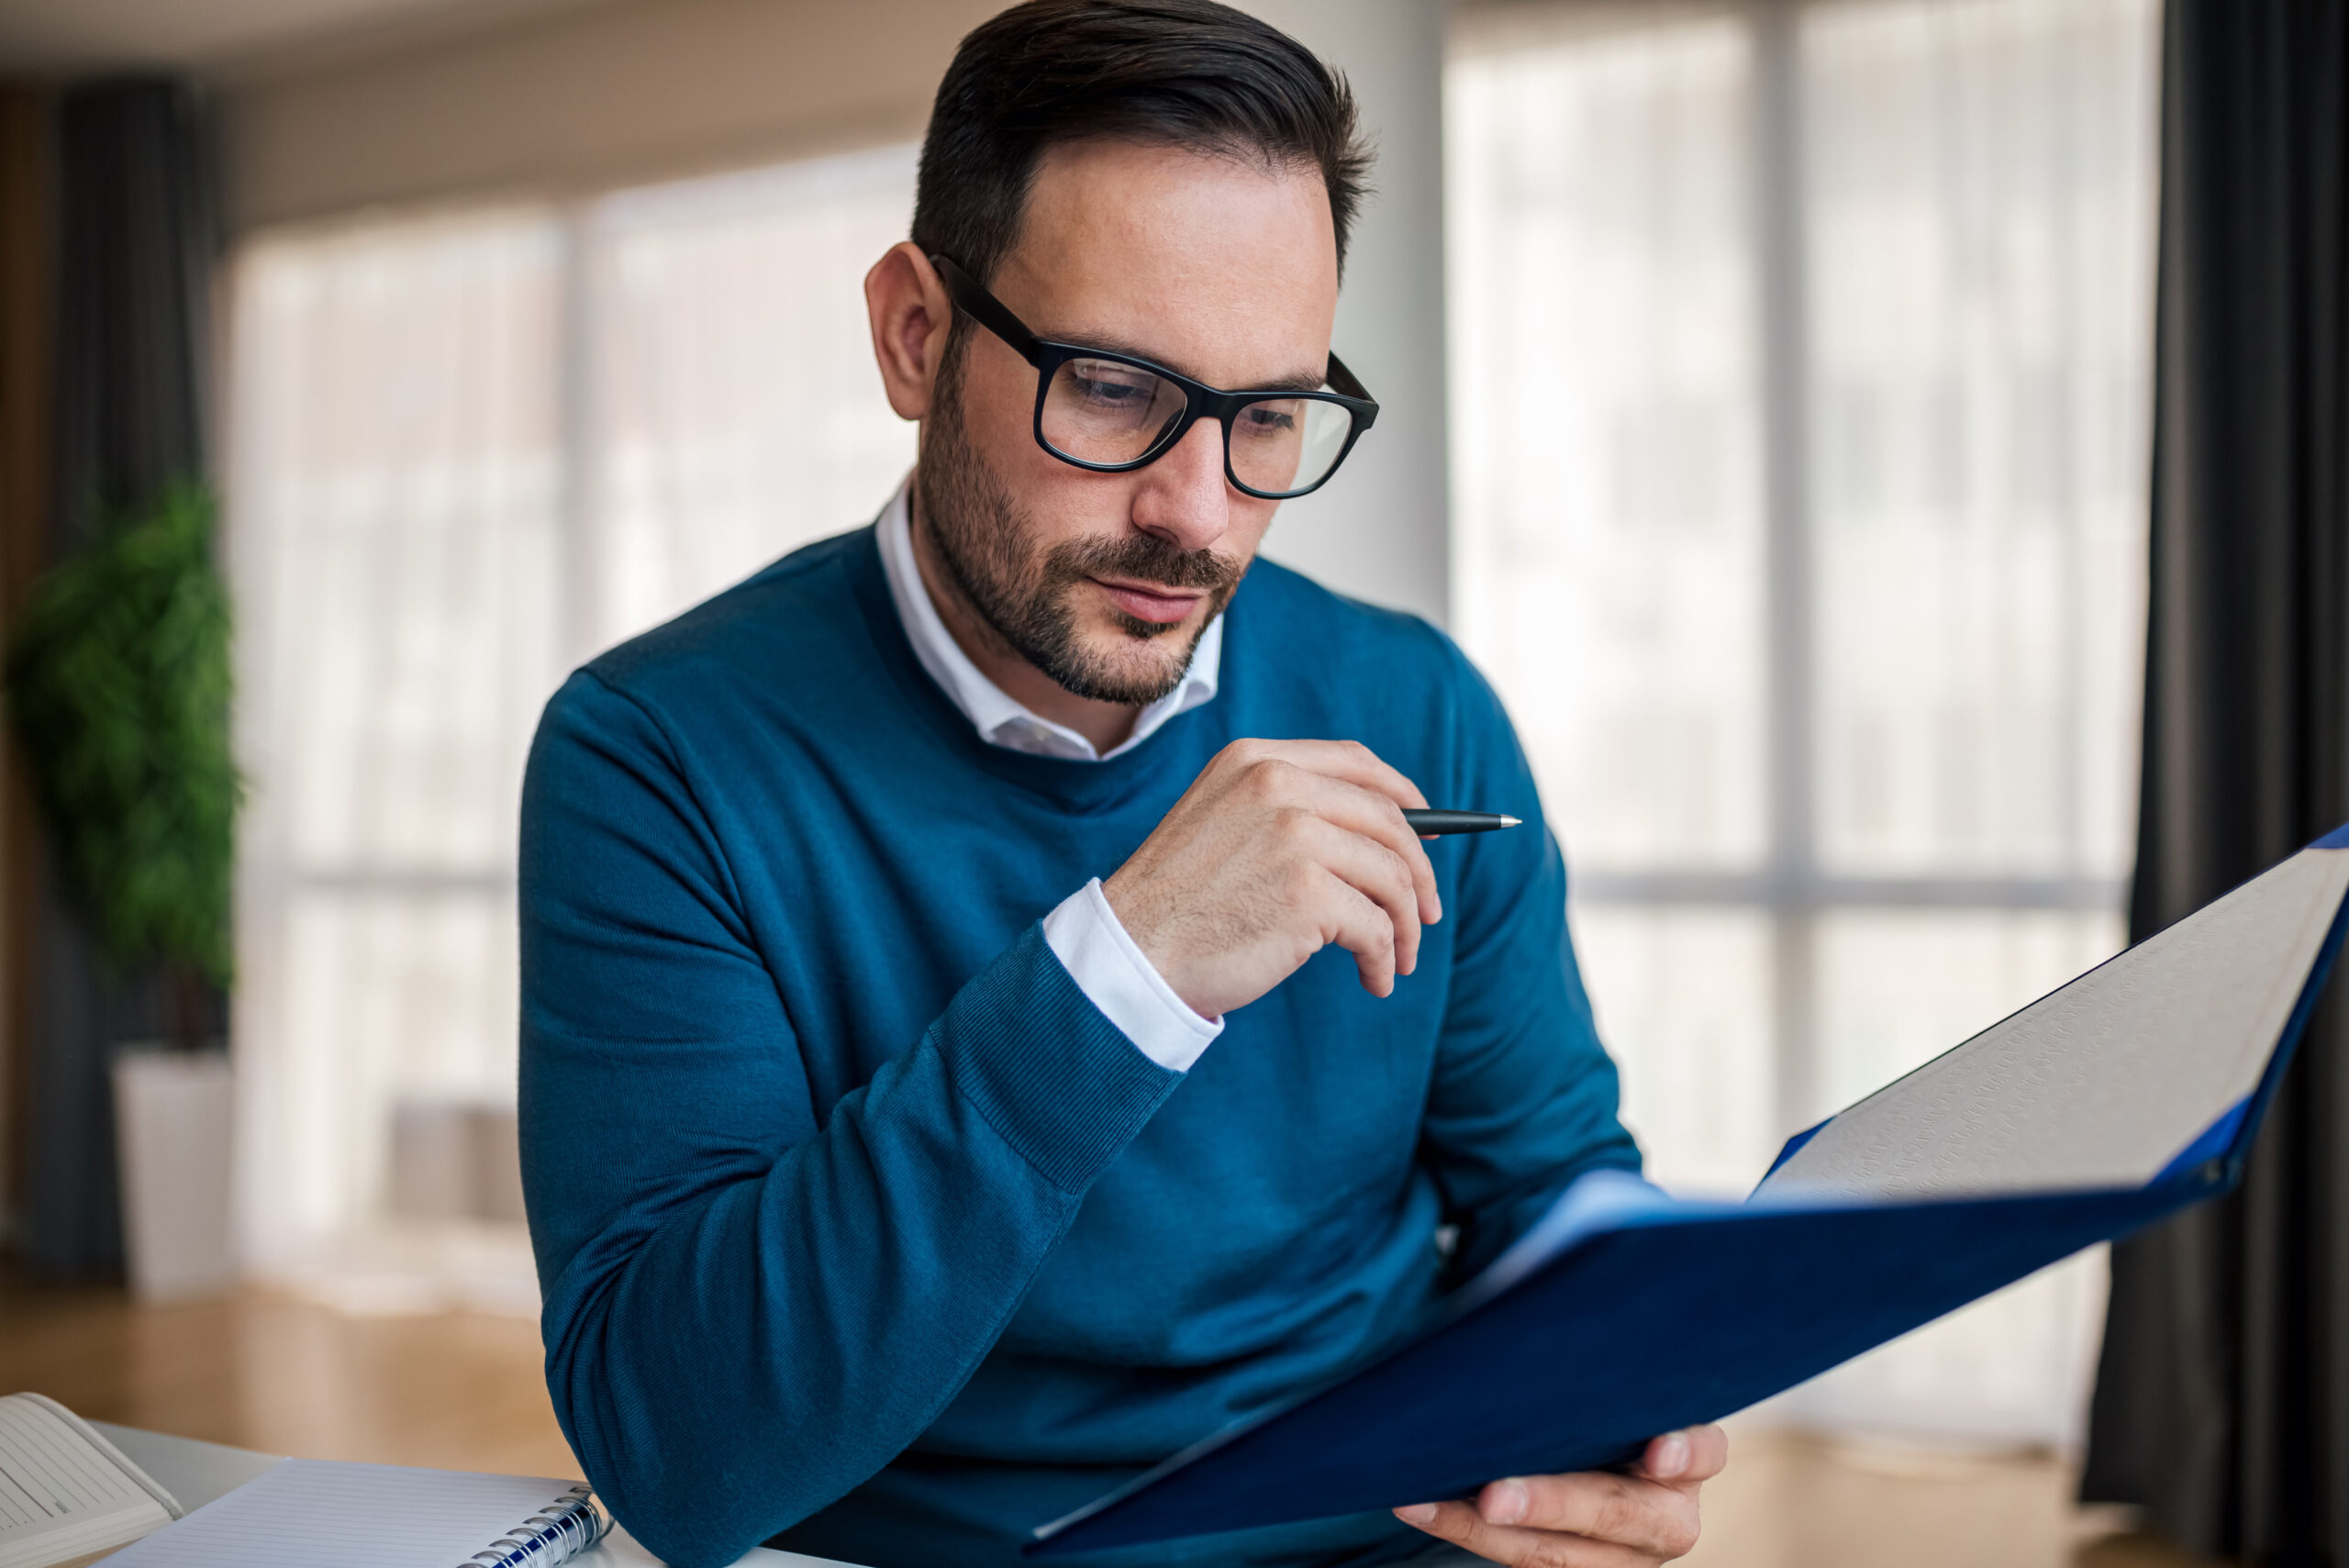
{"x": 1000, "y": 720}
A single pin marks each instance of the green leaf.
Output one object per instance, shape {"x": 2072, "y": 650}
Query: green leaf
{"x": 119, "y": 685}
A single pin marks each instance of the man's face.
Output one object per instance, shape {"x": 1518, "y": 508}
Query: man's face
{"x": 1223, "y": 269}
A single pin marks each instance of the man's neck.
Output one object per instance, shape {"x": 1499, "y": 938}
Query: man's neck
{"x": 1106, "y": 724}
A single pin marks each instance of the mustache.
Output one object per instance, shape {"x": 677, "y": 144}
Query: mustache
{"x": 1144, "y": 558}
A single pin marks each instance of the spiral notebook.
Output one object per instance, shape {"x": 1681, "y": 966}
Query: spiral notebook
{"x": 380, "y": 1516}
{"x": 66, "y": 1494}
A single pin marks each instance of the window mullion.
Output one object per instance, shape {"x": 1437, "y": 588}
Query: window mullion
{"x": 576, "y": 611}
{"x": 1780, "y": 283}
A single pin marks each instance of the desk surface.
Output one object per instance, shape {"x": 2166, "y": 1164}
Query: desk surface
{"x": 195, "y": 1472}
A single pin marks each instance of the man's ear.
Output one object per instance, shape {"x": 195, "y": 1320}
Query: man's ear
{"x": 911, "y": 318}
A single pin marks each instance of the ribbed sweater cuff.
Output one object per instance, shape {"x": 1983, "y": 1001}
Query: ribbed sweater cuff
{"x": 1056, "y": 1078}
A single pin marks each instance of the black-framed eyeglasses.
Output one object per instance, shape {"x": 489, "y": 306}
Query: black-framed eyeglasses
{"x": 1112, "y": 412}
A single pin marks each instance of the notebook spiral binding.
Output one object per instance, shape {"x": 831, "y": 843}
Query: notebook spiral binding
{"x": 556, "y": 1533}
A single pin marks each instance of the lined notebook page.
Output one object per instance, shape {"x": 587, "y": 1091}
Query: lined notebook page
{"x": 60, "y": 1494}
{"x": 351, "y": 1516}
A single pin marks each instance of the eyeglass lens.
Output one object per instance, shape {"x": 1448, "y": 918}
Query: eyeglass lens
{"x": 1107, "y": 412}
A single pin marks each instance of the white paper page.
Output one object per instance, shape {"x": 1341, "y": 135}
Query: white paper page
{"x": 60, "y": 1492}
{"x": 2105, "y": 1082}
{"x": 350, "y": 1516}
{"x": 620, "y": 1549}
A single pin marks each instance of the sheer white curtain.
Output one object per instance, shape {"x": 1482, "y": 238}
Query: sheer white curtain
{"x": 466, "y": 451}
{"x": 1979, "y": 184}
{"x": 1608, "y": 533}
{"x": 1800, "y": 389}
{"x": 395, "y": 487}
{"x": 736, "y": 408}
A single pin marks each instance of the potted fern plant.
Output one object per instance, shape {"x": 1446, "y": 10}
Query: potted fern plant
{"x": 118, "y": 685}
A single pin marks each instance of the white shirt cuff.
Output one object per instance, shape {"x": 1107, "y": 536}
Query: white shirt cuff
{"x": 1091, "y": 942}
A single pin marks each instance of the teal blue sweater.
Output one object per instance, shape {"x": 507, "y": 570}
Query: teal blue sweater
{"x": 860, "y": 1228}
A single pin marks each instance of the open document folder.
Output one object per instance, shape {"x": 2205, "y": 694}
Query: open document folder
{"x": 2130, "y": 1093}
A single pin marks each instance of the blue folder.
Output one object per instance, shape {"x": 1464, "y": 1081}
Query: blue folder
{"x": 2125, "y": 1096}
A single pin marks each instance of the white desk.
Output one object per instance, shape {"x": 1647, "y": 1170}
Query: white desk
{"x": 195, "y": 1472}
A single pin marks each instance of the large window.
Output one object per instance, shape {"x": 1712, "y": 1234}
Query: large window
{"x": 467, "y": 452}
{"x": 1800, "y": 389}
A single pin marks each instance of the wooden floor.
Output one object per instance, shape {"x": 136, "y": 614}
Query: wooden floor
{"x": 463, "y": 1391}
{"x": 460, "y": 1391}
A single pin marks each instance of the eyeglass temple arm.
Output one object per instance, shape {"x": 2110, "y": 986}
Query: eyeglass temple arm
{"x": 984, "y": 308}
{"x": 1345, "y": 381}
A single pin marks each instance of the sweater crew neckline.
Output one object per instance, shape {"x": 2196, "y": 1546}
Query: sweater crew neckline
{"x": 1184, "y": 742}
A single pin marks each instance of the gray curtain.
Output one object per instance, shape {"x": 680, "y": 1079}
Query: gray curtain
{"x": 2222, "y": 1400}
{"x": 135, "y": 249}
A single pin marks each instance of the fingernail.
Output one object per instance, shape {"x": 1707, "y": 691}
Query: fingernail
{"x": 1671, "y": 1454}
{"x": 1505, "y": 1502}
{"x": 1417, "y": 1513}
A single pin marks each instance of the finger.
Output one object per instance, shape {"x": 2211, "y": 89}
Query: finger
{"x": 1374, "y": 870}
{"x": 1279, "y": 773}
{"x": 1374, "y": 816}
{"x": 1686, "y": 1458}
{"x": 1364, "y": 929}
{"x": 1652, "y": 1518}
{"x": 1460, "y": 1524}
{"x": 1349, "y": 760}
{"x": 1378, "y": 874}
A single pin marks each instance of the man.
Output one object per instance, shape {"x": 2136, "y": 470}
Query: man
{"x": 986, "y": 1022}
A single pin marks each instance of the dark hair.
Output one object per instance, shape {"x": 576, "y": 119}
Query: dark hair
{"x": 1180, "y": 73}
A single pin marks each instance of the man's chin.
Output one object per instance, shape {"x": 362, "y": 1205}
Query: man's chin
{"x": 1136, "y": 665}
{"x": 1130, "y": 632}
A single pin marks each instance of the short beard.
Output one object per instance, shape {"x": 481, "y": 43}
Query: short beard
{"x": 1027, "y": 599}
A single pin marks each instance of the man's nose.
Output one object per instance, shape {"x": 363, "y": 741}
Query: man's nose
{"x": 1183, "y": 499}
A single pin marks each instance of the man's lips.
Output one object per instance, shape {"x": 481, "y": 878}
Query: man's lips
{"x": 1153, "y": 603}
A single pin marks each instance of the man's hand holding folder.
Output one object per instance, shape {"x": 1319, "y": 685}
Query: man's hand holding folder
{"x": 1592, "y": 1518}
{"x": 2114, "y": 1101}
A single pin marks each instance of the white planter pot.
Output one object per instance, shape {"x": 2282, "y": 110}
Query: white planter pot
{"x": 174, "y": 1118}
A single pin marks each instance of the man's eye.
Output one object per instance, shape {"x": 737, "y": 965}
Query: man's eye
{"x": 1111, "y": 394}
{"x": 1103, "y": 386}
{"x": 1268, "y": 419}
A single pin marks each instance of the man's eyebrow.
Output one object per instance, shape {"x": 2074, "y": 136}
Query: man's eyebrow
{"x": 1289, "y": 384}
{"x": 1300, "y": 381}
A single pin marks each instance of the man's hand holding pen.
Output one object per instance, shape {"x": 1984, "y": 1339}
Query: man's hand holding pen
{"x": 1278, "y": 848}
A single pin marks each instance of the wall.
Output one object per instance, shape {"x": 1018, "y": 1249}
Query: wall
{"x": 582, "y": 98}
{"x": 1379, "y": 530}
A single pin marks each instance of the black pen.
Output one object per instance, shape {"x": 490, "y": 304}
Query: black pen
{"x": 1430, "y": 824}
